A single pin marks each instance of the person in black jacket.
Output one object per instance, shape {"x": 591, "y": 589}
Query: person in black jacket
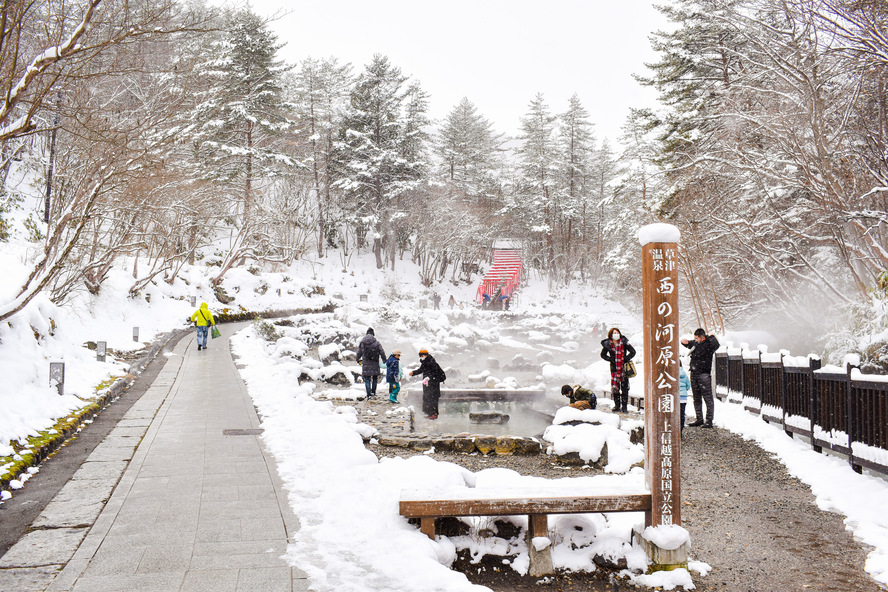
{"x": 433, "y": 375}
{"x": 702, "y": 350}
{"x": 370, "y": 354}
{"x": 617, "y": 350}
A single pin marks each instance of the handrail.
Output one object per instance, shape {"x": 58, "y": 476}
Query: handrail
{"x": 844, "y": 411}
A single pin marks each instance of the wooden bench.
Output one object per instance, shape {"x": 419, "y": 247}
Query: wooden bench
{"x": 536, "y": 504}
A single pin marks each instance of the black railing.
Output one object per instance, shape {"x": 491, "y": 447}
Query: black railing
{"x": 844, "y": 413}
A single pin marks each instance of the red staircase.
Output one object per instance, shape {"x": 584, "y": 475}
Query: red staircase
{"x": 503, "y": 276}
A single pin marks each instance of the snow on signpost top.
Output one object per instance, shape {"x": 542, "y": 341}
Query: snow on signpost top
{"x": 658, "y": 233}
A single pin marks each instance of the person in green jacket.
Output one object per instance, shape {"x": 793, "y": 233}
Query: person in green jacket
{"x": 203, "y": 320}
{"x": 580, "y": 398}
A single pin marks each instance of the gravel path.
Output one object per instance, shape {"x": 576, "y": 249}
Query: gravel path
{"x": 757, "y": 526}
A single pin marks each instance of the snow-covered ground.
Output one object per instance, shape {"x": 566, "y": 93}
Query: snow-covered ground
{"x": 326, "y": 468}
{"x": 373, "y": 548}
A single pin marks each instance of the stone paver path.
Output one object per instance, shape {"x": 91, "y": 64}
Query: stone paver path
{"x": 195, "y": 500}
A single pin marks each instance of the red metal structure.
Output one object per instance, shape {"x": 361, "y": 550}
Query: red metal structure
{"x": 503, "y": 277}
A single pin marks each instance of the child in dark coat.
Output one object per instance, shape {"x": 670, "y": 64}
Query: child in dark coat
{"x": 393, "y": 375}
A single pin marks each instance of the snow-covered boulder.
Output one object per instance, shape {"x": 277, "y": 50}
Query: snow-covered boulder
{"x": 592, "y": 437}
{"x": 329, "y": 352}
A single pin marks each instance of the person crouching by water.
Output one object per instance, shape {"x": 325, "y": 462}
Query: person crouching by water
{"x": 617, "y": 350}
{"x": 203, "y": 320}
{"x": 370, "y": 354}
{"x": 432, "y": 377}
{"x": 393, "y": 375}
{"x": 580, "y": 398}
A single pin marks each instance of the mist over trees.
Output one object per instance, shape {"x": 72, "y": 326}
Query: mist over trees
{"x": 773, "y": 143}
{"x": 166, "y": 132}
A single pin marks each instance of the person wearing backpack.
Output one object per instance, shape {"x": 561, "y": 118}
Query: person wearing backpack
{"x": 203, "y": 320}
{"x": 432, "y": 377}
{"x": 370, "y": 354}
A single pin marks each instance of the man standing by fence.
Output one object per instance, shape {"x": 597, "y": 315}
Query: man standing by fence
{"x": 702, "y": 350}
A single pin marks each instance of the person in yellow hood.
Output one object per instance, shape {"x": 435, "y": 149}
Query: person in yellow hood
{"x": 203, "y": 320}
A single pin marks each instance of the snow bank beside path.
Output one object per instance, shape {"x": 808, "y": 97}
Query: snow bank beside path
{"x": 352, "y": 536}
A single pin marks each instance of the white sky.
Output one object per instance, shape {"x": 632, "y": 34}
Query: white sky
{"x": 497, "y": 53}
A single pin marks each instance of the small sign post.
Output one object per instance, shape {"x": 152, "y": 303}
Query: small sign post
{"x": 193, "y": 301}
{"x": 135, "y": 333}
{"x": 101, "y": 350}
{"x": 57, "y": 376}
{"x": 661, "y": 406}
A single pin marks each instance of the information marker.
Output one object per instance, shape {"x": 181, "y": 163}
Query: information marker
{"x": 101, "y": 350}
{"x": 193, "y": 301}
{"x": 57, "y": 376}
{"x": 662, "y": 429}
{"x": 135, "y": 333}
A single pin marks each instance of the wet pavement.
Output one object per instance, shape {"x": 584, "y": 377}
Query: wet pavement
{"x": 180, "y": 496}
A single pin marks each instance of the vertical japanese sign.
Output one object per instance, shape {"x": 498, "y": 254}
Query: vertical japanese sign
{"x": 57, "y": 376}
{"x": 661, "y": 407}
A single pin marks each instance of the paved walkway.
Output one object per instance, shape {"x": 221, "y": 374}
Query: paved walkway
{"x": 195, "y": 500}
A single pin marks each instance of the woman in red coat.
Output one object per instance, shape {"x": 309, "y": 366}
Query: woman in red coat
{"x": 617, "y": 350}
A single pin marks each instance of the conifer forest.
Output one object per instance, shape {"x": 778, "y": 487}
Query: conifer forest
{"x": 161, "y": 132}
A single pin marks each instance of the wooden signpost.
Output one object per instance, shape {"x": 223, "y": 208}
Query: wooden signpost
{"x": 661, "y": 404}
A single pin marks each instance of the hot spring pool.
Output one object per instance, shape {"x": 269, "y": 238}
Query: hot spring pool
{"x": 453, "y": 417}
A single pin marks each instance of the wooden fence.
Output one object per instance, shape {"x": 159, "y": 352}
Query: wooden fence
{"x": 845, "y": 412}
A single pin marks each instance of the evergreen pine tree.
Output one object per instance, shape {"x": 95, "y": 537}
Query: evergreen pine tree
{"x": 380, "y": 150}
{"x": 242, "y": 125}
{"x": 537, "y": 169}
{"x": 469, "y": 150}
{"x": 576, "y": 144}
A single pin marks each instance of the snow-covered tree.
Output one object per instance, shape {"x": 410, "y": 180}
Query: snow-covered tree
{"x": 762, "y": 140}
{"x": 576, "y": 147}
{"x": 242, "y": 135}
{"x": 537, "y": 178}
{"x": 319, "y": 91}
{"x": 58, "y": 59}
{"x": 381, "y": 151}
{"x": 470, "y": 151}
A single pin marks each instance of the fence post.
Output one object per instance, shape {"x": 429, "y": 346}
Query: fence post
{"x": 135, "y": 333}
{"x": 757, "y": 386}
{"x": 193, "y": 301}
{"x": 783, "y": 396}
{"x": 812, "y": 401}
{"x": 849, "y": 421}
{"x": 101, "y": 349}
